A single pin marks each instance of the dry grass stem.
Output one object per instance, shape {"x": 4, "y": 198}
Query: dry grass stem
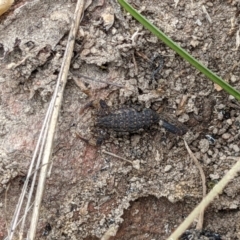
{"x": 135, "y": 64}
{"x": 135, "y": 163}
{"x": 206, "y": 13}
{"x": 62, "y": 79}
{"x": 37, "y": 152}
{"x": 44, "y": 144}
{"x": 204, "y": 189}
{"x": 99, "y": 81}
{"x": 237, "y": 40}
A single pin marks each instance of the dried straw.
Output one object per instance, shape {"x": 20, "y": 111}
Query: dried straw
{"x": 43, "y": 148}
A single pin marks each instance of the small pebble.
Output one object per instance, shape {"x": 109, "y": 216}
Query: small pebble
{"x": 214, "y": 176}
{"x": 167, "y": 168}
{"x": 220, "y": 116}
{"x": 215, "y": 131}
{"x": 198, "y": 22}
{"x": 136, "y": 164}
{"x": 204, "y": 145}
{"x": 114, "y": 31}
{"x": 229, "y": 121}
{"x": 93, "y": 50}
{"x": 223, "y": 157}
{"x": 235, "y": 148}
{"x": 233, "y": 206}
{"x": 76, "y": 66}
{"x": 210, "y": 153}
{"x": 230, "y": 97}
{"x": 221, "y": 106}
{"x": 29, "y": 110}
{"x": 209, "y": 4}
{"x": 208, "y": 161}
{"x": 226, "y": 136}
{"x": 184, "y": 118}
{"x": 221, "y": 131}
{"x": 233, "y": 79}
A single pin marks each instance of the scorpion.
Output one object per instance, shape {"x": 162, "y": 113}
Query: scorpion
{"x": 131, "y": 120}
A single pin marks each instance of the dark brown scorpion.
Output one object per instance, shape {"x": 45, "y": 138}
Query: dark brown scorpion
{"x": 129, "y": 119}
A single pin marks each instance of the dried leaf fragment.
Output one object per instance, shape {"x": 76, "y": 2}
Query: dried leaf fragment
{"x": 108, "y": 18}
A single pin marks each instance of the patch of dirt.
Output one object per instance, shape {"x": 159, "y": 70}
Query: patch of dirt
{"x": 92, "y": 195}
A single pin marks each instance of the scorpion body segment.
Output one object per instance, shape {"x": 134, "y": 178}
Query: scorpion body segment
{"x": 128, "y": 120}
{"x": 131, "y": 120}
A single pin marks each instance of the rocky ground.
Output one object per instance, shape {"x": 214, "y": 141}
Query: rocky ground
{"x": 147, "y": 194}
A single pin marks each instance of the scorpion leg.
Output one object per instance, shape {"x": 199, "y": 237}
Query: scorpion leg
{"x": 92, "y": 142}
{"x": 101, "y": 105}
{"x": 103, "y": 108}
{"x": 92, "y": 103}
{"x": 102, "y": 136}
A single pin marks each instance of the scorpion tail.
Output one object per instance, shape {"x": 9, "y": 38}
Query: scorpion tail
{"x": 179, "y": 130}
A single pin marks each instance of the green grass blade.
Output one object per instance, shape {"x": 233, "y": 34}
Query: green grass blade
{"x": 227, "y": 87}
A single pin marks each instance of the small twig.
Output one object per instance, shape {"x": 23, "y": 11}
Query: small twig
{"x": 37, "y": 169}
{"x": 176, "y": 3}
{"x": 206, "y": 13}
{"x": 237, "y": 40}
{"x": 233, "y": 28}
{"x": 135, "y": 65}
{"x": 135, "y": 163}
{"x": 142, "y": 55}
{"x": 5, "y": 204}
{"x": 97, "y": 80}
{"x": 204, "y": 189}
{"x": 180, "y": 108}
{"x": 218, "y": 188}
{"x": 134, "y": 36}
